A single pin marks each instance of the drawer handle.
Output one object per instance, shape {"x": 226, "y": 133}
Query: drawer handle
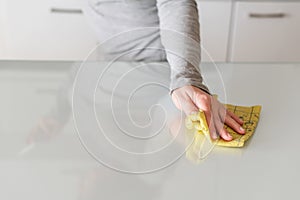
{"x": 66, "y": 11}
{"x": 267, "y": 15}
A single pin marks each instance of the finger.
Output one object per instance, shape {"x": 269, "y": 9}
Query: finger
{"x": 204, "y": 103}
{"x": 212, "y": 130}
{"x": 189, "y": 108}
{"x": 221, "y": 130}
{"x": 210, "y": 122}
{"x": 234, "y": 125}
{"x": 30, "y": 138}
{"x": 184, "y": 103}
{"x": 43, "y": 126}
{"x": 176, "y": 101}
{"x": 218, "y": 113}
{"x": 235, "y": 117}
{"x": 222, "y": 113}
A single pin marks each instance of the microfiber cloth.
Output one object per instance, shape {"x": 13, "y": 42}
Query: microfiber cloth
{"x": 250, "y": 116}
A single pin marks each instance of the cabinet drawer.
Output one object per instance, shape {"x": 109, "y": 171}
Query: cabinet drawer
{"x": 46, "y": 30}
{"x": 268, "y": 31}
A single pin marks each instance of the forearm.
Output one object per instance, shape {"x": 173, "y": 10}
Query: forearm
{"x": 180, "y": 37}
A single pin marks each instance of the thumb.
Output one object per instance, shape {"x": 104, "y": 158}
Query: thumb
{"x": 184, "y": 103}
{"x": 189, "y": 107}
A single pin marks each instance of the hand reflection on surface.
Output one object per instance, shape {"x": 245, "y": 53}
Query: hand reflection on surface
{"x": 46, "y": 129}
{"x": 52, "y": 123}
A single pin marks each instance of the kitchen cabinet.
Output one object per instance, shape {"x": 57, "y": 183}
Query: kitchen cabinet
{"x": 57, "y": 30}
{"x": 2, "y": 15}
{"x": 45, "y": 30}
{"x": 231, "y": 31}
{"x": 266, "y": 31}
{"x": 214, "y": 19}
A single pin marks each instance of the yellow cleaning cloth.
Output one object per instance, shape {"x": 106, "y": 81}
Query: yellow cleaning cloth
{"x": 250, "y": 116}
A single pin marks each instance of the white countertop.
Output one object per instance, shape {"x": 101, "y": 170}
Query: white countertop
{"x": 61, "y": 167}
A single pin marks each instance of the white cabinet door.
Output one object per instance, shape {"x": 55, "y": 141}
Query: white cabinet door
{"x": 214, "y": 28}
{"x": 56, "y": 30}
{"x": 2, "y": 29}
{"x": 266, "y": 31}
{"x": 46, "y": 30}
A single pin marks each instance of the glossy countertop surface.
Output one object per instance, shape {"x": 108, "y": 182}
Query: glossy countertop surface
{"x": 110, "y": 131}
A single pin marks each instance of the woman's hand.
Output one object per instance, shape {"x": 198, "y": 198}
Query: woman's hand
{"x": 190, "y": 99}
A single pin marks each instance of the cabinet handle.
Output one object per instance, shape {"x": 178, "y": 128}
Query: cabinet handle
{"x": 66, "y": 11}
{"x": 267, "y": 15}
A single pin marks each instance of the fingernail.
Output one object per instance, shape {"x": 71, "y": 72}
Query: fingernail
{"x": 229, "y": 136}
{"x": 214, "y": 136}
{"x": 242, "y": 129}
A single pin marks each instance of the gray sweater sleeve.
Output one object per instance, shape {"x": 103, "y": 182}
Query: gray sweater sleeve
{"x": 179, "y": 30}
